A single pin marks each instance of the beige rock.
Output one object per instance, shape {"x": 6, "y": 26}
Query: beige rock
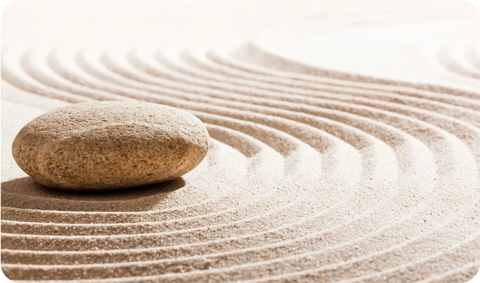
{"x": 109, "y": 145}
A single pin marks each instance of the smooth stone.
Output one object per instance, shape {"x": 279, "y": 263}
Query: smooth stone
{"x": 110, "y": 145}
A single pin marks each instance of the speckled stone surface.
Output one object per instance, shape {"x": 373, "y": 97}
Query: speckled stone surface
{"x": 109, "y": 145}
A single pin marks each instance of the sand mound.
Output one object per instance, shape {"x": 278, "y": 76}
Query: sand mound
{"x": 314, "y": 174}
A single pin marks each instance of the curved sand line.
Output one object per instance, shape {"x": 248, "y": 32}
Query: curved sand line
{"x": 313, "y": 174}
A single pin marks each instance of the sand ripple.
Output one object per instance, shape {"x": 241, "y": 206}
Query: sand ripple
{"x": 313, "y": 174}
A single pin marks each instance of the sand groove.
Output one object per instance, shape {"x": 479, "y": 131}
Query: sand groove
{"x": 313, "y": 174}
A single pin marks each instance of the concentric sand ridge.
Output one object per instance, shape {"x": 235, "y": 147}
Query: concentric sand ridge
{"x": 312, "y": 175}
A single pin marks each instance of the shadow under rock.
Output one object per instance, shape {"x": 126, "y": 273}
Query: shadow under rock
{"x": 26, "y": 193}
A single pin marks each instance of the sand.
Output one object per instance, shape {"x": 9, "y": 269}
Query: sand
{"x": 345, "y": 142}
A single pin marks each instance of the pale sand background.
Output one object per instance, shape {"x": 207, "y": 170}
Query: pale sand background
{"x": 345, "y": 140}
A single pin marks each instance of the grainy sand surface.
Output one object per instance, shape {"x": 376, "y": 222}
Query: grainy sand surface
{"x": 345, "y": 140}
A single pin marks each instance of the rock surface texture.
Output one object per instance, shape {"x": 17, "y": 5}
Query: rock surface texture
{"x": 110, "y": 145}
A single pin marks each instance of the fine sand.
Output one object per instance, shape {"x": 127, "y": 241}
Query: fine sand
{"x": 345, "y": 141}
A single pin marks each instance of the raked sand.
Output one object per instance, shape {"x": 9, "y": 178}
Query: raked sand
{"x": 345, "y": 141}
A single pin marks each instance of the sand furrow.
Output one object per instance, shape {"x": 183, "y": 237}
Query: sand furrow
{"x": 313, "y": 174}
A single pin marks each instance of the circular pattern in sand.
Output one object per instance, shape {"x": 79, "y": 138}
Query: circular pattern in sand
{"x": 312, "y": 176}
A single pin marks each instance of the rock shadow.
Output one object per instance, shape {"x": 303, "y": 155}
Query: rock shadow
{"x": 26, "y": 193}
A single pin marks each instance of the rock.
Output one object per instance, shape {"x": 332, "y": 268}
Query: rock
{"x": 110, "y": 145}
